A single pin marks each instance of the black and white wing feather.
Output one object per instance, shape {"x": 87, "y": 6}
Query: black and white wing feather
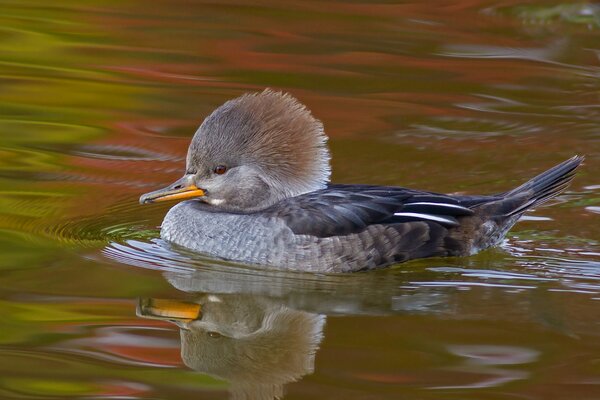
{"x": 346, "y": 209}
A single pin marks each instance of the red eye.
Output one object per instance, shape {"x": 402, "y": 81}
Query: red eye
{"x": 220, "y": 169}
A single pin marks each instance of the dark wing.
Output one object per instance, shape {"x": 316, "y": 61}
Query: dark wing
{"x": 341, "y": 210}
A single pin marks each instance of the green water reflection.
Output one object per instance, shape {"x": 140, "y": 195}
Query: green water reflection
{"x": 99, "y": 100}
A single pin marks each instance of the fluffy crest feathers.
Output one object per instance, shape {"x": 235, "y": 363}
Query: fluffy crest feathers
{"x": 269, "y": 130}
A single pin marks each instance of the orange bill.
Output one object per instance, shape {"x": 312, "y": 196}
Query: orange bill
{"x": 168, "y": 310}
{"x": 182, "y": 189}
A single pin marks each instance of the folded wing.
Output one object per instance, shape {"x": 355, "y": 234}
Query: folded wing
{"x": 345, "y": 209}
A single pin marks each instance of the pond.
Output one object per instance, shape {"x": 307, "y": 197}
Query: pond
{"x": 99, "y": 101}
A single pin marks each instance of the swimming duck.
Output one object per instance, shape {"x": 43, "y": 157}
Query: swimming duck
{"x": 258, "y": 172}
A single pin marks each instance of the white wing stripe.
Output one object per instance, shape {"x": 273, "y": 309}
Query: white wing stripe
{"x": 429, "y": 217}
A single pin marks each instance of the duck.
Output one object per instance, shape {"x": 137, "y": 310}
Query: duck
{"x": 256, "y": 190}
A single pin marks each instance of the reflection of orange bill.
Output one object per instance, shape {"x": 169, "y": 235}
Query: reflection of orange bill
{"x": 168, "y": 309}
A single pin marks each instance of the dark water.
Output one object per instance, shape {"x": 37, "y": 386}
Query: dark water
{"x": 98, "y": 102}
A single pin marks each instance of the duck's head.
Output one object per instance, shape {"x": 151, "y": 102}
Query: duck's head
{"x": 252, "y": 152}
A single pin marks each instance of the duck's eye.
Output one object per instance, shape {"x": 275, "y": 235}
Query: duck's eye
{"x": 220, "y": 169}
{"x": 214, "y": 335}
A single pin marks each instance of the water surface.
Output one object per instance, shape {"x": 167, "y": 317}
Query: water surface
{"x": 98, "y": 102}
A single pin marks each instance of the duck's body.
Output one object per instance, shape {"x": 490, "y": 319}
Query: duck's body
{"x": 286, "y": 215}
{"x": 346, "y": 228}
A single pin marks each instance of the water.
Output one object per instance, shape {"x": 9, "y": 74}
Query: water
{"x": 98, "y": 102}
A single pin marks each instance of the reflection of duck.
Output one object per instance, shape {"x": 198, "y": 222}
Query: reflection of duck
{"x": 259, "y": 167}
{"x": 260, "y": 329}
{"x": 256, "y": 344}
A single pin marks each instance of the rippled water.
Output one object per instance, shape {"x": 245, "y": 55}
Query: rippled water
{"x": 98, "y": 102}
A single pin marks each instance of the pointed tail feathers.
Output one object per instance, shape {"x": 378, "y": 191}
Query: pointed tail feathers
{"x": 543, "y": 187}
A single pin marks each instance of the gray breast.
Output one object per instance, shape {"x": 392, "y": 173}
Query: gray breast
{"x": 245, "y": 238}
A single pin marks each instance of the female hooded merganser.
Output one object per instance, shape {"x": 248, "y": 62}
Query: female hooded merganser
{"x": 258, "y": 168}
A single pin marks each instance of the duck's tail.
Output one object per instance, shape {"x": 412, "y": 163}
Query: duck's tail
{"x": 542, "y": 188}
{"x": 497, "y": 217}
